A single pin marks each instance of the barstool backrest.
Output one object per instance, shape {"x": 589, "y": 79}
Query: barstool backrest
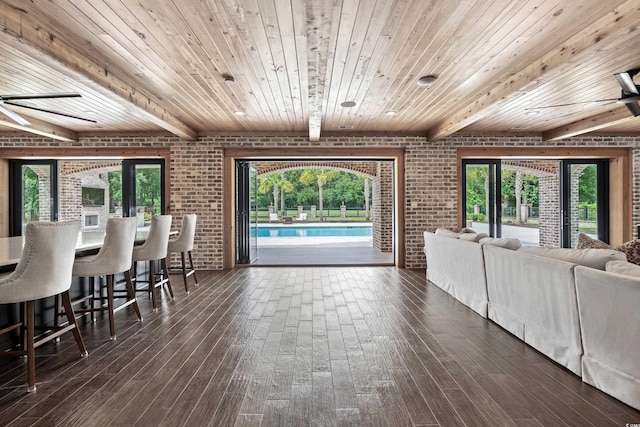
{"x": 46, "y": 262}
{"x": 155, "y": 246}
{"x": 115, "y": 254}
{"x": 184, "y": 241}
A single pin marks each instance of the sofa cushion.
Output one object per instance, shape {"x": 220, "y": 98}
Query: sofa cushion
{"x": 594, "y": 258}
{"x": 446, "y": 232}
{"x": 623, "y": 267}
{"x": 503, "y": 242}
{"x": 472, "y": 237}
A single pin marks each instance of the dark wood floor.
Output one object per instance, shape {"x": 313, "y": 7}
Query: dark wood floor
{"x": 303, "y": 346}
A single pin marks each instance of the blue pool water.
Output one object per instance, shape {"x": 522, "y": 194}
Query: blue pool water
{"x": 266, "y": 231}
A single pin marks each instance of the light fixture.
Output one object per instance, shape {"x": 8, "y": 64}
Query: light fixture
{"x": 348, "y": 104}
{"x": 391, "y": 113}
{"x": 427, "y": 80}
{"x": 239, "y": 113}
{"x": 228, "y": 79}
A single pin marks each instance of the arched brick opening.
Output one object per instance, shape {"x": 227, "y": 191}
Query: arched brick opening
{"x": 379, "y": 172}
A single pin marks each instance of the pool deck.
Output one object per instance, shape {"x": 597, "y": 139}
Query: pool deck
{"x": 321, "y": 250}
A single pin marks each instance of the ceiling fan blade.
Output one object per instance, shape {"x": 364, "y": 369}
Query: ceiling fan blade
{"x": 626, "y": 81}
{"x": 7, "y": 112}
{"x": 49, "y": 111}
{"x": 40, "y": 96}
{"x": 634, "y": 108}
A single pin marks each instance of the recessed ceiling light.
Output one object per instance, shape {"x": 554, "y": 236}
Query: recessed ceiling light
{"x": 228, "y": 79}
{"x": 239, "y": 113}
{"x": 391, "y": 113}
{"x": 427, "y": 80}
{"x": 533, "y": 112}
{"x": 348, "y": 104}
{"x": 90, "y": 113}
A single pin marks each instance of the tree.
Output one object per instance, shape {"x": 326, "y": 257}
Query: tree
{"x": 587, "y": 185}
{"x": 285, "y": 187}
{"x": 320, "y": 177}
{"x": 270, "y": 183}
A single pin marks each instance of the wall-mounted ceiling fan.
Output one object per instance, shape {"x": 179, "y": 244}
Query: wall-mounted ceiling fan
{"x": 15, "y": 101}
{"x": 630, "y": 95}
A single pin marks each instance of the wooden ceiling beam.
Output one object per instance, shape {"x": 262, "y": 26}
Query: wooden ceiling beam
{"x": 589, "y": 124}
{"x": 43, "y": 128}
{"x": 19, "y": 31}
{"x": 620, "y": 22}
{"x": 317, "y": 28}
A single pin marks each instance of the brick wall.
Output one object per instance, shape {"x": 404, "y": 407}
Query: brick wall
{"x": 430, "y": 174}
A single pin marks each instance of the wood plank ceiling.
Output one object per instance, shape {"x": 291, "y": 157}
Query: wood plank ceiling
{"x": 165, "y": 66}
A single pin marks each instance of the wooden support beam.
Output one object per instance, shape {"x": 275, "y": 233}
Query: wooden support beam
{"x": 317, "y": 27}
{"x": 19, "y": 31}
{"x": 590, "y": 124}
{"x": 42, "y": 128}
{"x": 621, "y": 22}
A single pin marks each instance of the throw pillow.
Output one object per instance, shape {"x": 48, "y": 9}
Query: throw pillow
{"x": 631, "y": 248}
{"x": 588, "y": 242}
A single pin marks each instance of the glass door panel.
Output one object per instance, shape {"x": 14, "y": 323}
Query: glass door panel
{"x": 143, "y": 190}
{"x": 482, "y": 184}
{"x": 34, "y": 193}
{"x": 520, "y": 202}
{"x": 585, "y": 200}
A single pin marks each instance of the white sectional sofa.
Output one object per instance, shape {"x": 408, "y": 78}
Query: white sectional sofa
{"x": 457, "y": 266}
{"x": 560, "y": 301}
{"x": 532, "y": 294}
{"x": 609, "y": 309}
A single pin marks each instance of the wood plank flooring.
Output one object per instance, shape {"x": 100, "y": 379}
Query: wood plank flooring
{"x": 339, "y": 346}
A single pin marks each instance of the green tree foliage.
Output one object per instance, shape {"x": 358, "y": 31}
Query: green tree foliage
{"x": 587, "y": 185}
{"x": 148, "y": 188}
{"x": 31, "y": 195}
{"x": 115, "y": 189}
{"x": 476, "y": 177}
{"x": 320, "y": 177}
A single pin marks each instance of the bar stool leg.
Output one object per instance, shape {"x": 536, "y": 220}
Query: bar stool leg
{"x": 165, "y": 272}
{"x": 183, "y": 265}
{"x": 66, "y": 301}
{"x": 195, "y": 278}
{"x": 31, "y": 354}
{"x": 110, "y": 307}
{"x": 152, "y": 284}
{"x": 132, "y": 293}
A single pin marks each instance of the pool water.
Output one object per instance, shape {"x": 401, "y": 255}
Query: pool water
{"x": 266, "y": 231}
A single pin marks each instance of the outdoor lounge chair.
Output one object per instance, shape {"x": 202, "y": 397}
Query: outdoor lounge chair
{"x": 273, "y": 217}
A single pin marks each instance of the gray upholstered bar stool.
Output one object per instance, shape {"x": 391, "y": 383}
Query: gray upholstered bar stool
{"x": 183, "y": 243}
{"x": 153, "y": 250}
{"x": 113, "y": 258}
{"x": 44, "y": 270}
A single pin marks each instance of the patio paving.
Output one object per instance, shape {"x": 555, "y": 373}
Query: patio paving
{"x": 320, "y": 251}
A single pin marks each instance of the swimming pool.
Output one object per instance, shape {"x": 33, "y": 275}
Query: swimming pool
{"x": 324, "y": 231}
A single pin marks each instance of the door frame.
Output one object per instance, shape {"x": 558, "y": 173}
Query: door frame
{"x": 620, "y": 177}
{"x": 230, "y": 155}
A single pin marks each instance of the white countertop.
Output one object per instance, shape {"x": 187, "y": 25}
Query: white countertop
{"x": 11, "y": 247}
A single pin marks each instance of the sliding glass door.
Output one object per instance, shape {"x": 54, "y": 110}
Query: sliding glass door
{"x": 34, "y": 193}
{"x": 143, "y": 192}
{"x": 584, "y": 200}
{"x": 481, "y": 183}
{"x": 246, "y": 213}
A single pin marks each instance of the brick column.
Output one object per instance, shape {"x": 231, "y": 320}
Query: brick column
{"x": 382, "y": 207}
{"x": 549, "y": 213}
